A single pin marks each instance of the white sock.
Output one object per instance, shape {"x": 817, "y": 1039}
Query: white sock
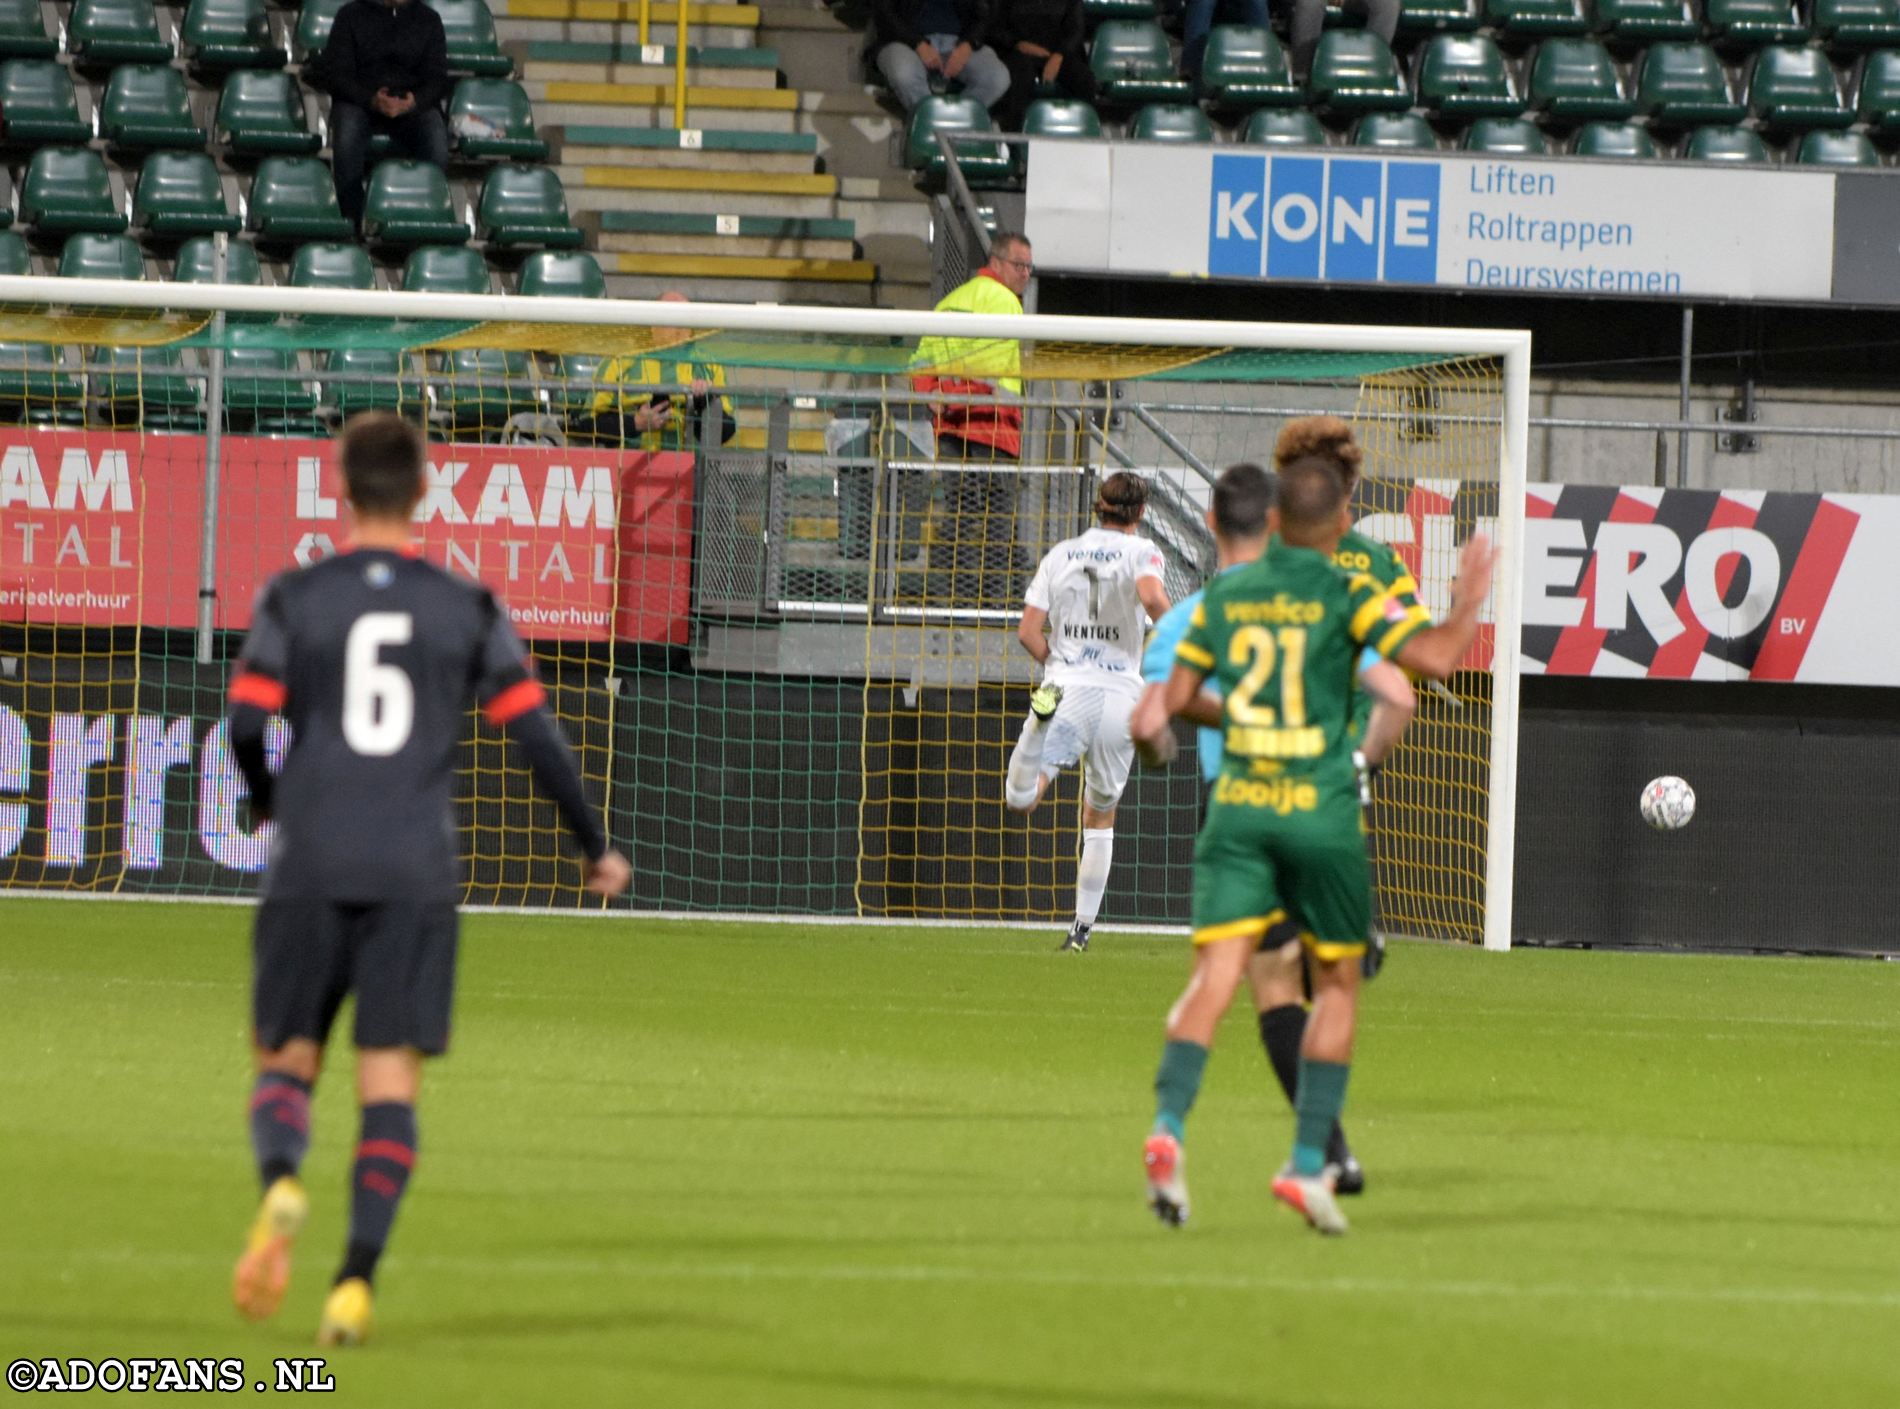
{"x": 1091, "y": 875}
{"x": 1025, "y": 765}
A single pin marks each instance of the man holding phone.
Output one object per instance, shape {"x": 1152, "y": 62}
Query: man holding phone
{"x": 657, "y": 399}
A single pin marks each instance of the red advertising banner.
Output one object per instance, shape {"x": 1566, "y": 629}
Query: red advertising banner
{"x": 103, "y": 529}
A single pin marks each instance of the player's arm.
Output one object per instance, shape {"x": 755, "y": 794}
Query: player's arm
{"x": 1435, "y": 651}
{"x": 513, "y": 701}
{"x": 1033, "y": 632}
{"x": 257, "y": 692}
{"x": 1033, "y": 629}
{"x": 1154, "y": 596}
{"x": 1393, "y": 704}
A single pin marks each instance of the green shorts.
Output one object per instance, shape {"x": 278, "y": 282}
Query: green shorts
{"x": 1280, "y": 850}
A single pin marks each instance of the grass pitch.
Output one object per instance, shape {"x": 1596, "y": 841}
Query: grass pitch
{"x": 708, "y": 1164}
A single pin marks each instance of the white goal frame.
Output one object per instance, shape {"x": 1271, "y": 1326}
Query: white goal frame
{"x": 1511, "y": 347}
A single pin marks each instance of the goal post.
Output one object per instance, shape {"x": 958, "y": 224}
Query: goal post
{"x": 778, "y": 623}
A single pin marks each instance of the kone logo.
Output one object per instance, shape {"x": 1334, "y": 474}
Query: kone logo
{"x": 1340, "y": 218}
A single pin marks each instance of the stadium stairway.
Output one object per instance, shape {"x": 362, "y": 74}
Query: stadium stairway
{"x": 770, "y": 193}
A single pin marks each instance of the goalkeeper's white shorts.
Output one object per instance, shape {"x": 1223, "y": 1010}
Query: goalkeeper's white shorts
{"x": 1091, "y": 727}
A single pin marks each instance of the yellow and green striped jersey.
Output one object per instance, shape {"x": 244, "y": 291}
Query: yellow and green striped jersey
{"x": 1282, "y": 637}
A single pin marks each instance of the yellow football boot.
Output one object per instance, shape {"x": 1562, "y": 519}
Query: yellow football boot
{"x": 262, "y": 1274}
{"x": 346, "y": 1314}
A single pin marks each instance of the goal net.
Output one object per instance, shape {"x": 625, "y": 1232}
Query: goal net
{"x": 770, "y": 562}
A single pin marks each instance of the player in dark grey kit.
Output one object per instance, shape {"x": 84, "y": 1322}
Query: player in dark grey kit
{"x": 373, "y": 657}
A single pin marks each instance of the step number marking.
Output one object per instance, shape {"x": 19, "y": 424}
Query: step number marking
{"x": 725, "y": 224}
{"x": 692, "y": 139}
{"x": 652, "y": 53}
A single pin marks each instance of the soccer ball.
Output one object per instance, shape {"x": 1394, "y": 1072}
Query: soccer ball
{"x": 1667, "y": 803}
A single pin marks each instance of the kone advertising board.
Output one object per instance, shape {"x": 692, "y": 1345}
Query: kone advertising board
{"x": 1660, "y": 230}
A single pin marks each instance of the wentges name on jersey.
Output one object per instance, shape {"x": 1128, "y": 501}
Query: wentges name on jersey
{"x": 1097, "y": 624}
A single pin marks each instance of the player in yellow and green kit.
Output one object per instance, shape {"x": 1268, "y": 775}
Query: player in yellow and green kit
{"x": 1277, "y": 973}
{"x": 1284, "y": 837}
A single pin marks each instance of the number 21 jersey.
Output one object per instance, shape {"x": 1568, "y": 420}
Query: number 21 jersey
{"x": 373, "y": 657}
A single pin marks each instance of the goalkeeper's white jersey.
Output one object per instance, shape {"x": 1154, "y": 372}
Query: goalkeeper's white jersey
{"x": 1096, "y": 621}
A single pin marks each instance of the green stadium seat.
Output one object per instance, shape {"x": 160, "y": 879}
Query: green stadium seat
{"x": 179, "y": 194}
{"x": 260, "y": 113}
{"x": 39, "y": 104}
{"x": 1529, "y": 19}
{"x": 147, "y": 107}
{"x": 294, "y": 199}
{"x": 473, "y": 45}
{"x": 1857, "y": 24}
{"x": 314, "y": 19}
{"x": 23, "y": 31}
{"x": 1096, "y": 10}
{"x": 1684, "y": 85}
{"x": 1133, "y": 64}
{"x": 502, "y": 106}
{"x": 90, "y": 256}
{"x": 1792, "y": 88}
{"x": 1646, "y": 21}
{"x": 1825, "y": 148}
{"x": 1055, "y": 117}
{"x": 524, "y": 206}
{"x": 197, "y": 263}
{"x": 444, "y": 269}
{"x": 982, "y": 163}
{"x": 1245, "y": 68}
{"x": 144, "y": 387}
{"x": 561, "y": 274}
{"x": 1171, "y": 122}
{"x": 1432, "y": 16}
{"x": 366, "y": 379}
{"x": 1506, "y": 136}
{"x": 471, "y": 399}
{"x": 103, "y": 32}
{"x": 227, "y": 34}
{"x": 1463, "y": 75}
{"x": 6, "y": 198}
{"x": 34, "y": 389}
{"x": 409, "y": 203}
{"x": 262, "y": 391}
{"x": 66, "y": 190}
{"x": 567, "y": 275}
{"x": 1575, "y": 80}
{"x": 1061, "y": 117}
{"x": 329, "y": 265}
{"x": 1354, "y": 72}
{"x": 1725, "y": 144}
{"x": 1283, "y": 127}
{"x": 1746, "y": 24}
{"x": 1394, "y": 131}
{"x": 1613, "y": 139}
{"x": 1877, "y": 98}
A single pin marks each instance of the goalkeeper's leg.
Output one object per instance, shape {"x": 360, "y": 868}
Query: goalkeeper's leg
{"x": 1023, "y": 785}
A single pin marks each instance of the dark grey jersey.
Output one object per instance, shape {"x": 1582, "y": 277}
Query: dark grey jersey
{"x": 373, "y": 657}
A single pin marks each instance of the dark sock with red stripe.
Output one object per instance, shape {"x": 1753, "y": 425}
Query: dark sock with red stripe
{"x": 384, "y": 1157}
{"x": 280, "y": 1124}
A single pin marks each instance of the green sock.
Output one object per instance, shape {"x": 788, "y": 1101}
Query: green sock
{"x": 1176, "y": 1084}
{"x": 1321, "y": 1097}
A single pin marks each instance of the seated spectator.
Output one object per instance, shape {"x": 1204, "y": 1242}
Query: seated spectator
{"x": 1199, "y": 18}
{"x": 1041, "y": 43}
{"x": 386, "y": 68}
{"x": 918, "y": 41}
{"x": 1309, "y": 18}
{"x": 635, "y": 416}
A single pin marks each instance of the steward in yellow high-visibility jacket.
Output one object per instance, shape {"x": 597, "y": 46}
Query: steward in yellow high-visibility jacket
{"x": 636, "y": 414}
{"x": 980, "y": 366}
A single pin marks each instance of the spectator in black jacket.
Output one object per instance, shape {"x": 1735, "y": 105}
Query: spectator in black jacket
{"x": 386, "y": 66}
{"x": 915, "y": 39}
{"x": 1041, "y": 42}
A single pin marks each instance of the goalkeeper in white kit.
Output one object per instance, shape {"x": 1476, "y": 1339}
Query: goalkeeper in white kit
{"x": 1085, "y": 616}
